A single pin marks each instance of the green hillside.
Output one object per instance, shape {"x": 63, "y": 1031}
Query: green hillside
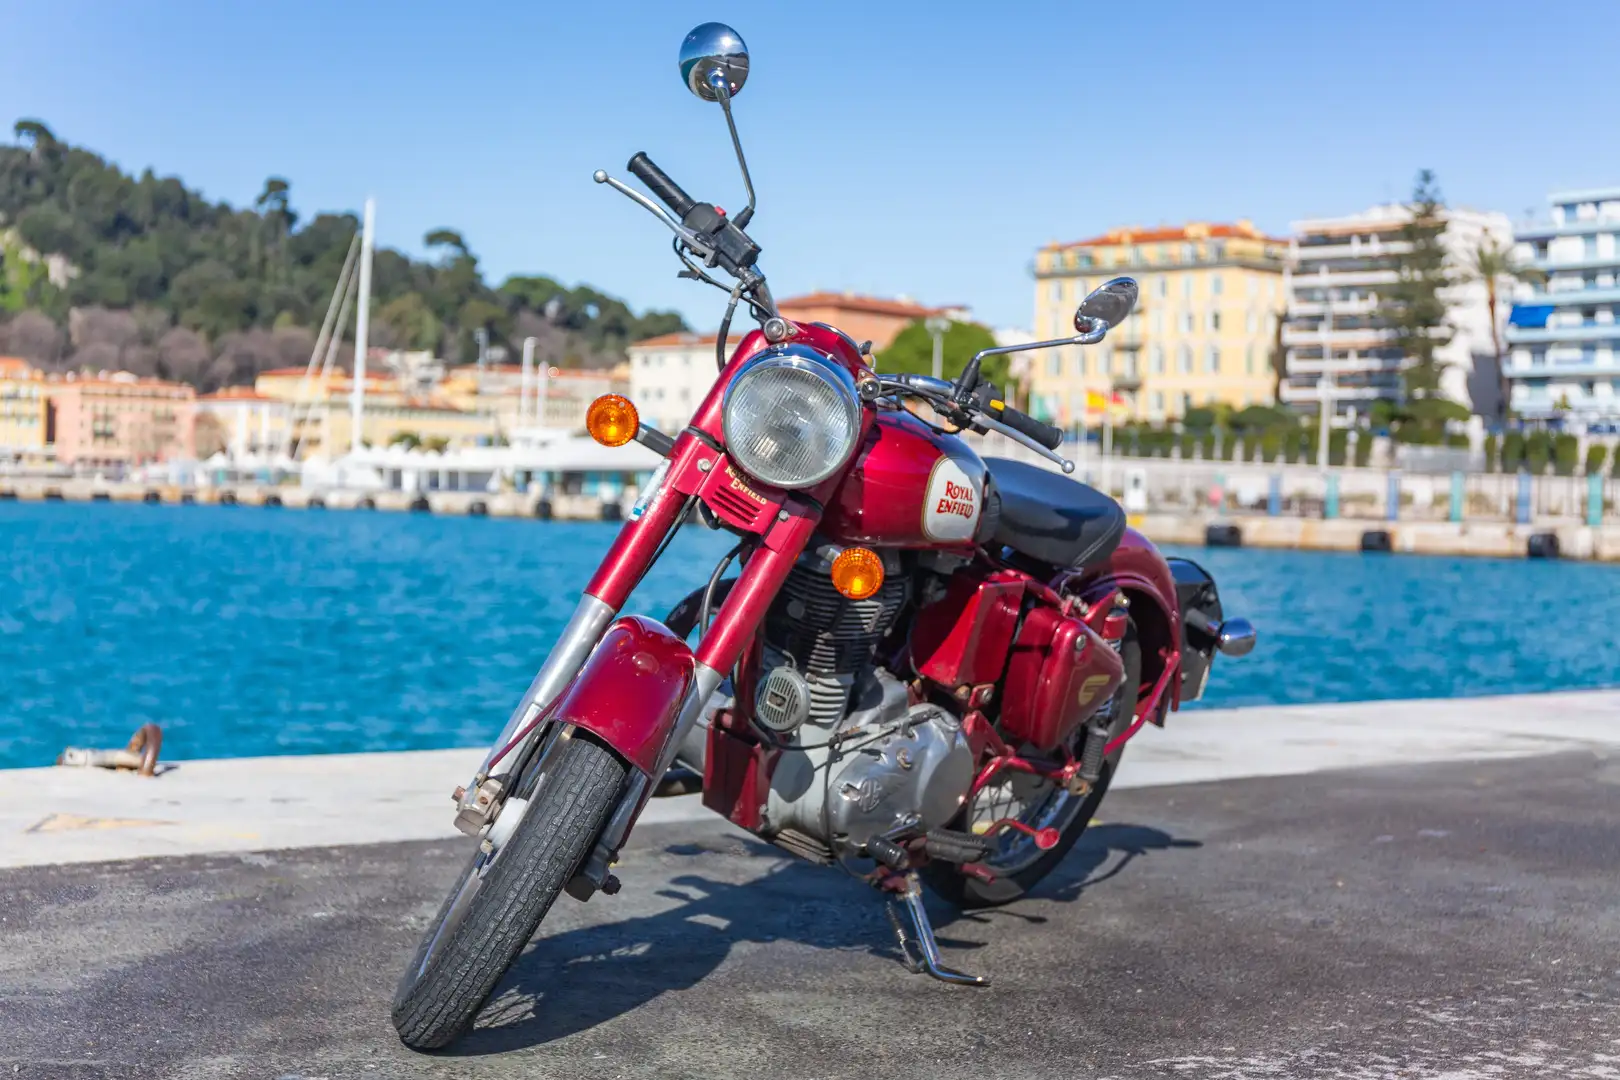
{"x": 100, "y": 269}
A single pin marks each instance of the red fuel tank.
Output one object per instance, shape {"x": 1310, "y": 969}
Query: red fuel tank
{"x": 910, "y": 487}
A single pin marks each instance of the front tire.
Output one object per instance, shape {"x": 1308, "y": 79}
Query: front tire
{"x": 499, "y": 901}
{"x": 965, "y": 892}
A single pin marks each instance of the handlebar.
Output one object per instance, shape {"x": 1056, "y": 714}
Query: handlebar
{"x": 658, "y": 182}
{"x": 1025, "y": 424}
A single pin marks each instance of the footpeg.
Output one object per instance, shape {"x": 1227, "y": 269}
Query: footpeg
{"x": 919, "y": 949}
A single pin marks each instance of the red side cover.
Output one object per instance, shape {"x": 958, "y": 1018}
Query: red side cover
{"x": 630, "y": 690}
{"x": 1059, "y": 674}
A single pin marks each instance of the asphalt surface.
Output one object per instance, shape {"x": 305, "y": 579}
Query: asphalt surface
{"x": 1449, "y": 921}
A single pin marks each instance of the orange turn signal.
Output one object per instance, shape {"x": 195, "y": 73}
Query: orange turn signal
{"x": 612, "y": 420}
{"x": 857, "y": 572}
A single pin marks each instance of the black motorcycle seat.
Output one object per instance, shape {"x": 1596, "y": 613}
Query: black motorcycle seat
{"x": 1049, "y": 517}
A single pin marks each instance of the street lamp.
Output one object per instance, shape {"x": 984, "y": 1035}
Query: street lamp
{"x": 937, "y": 325}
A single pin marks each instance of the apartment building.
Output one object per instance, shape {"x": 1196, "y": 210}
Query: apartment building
{"x": 1202, "y": 334}
{"x": 1335, "y": 339}
{"x": 1563, "y": 336}
{"x": 24, "y": 412}
{"x": 113, "y": 420}
{"x": 865, "y": 318}
{"x": 249, "y": 424}
{"x": 670, "y": 375}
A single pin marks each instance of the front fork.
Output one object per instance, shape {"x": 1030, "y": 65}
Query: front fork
{"x": 722, "y": 644}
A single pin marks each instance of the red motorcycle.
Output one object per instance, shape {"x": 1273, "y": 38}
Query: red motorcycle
{"x": 926, "y": 669}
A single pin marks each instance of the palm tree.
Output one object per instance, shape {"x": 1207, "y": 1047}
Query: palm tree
{"x": 1493, "y": 264}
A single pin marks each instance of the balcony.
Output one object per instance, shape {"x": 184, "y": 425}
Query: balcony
{"x": 1364, "y": 306}
{"x": 1571, "y": 297}
{"x": 1563, "y": 369}
{"x": 1343, "y": 278}
{"x": 1524, "y": 335}
{"x": 1315, "y": 365}
{"x": 1317, "y": 252}
{"x": 1546, "y": 230}
{"x": 1343, "y": 337}
{"x": 1294, "y": 394}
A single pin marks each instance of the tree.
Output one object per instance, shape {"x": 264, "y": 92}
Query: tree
{"x": 1597, "y": 456}
{"x": 210, "y": 435}
{"x": 912, "y": 352}
{"x": 1493, "y": 265}
{"x": 120, "y": 242}
{"x": 438, "y": 238}
{"x": 1413, "y": 306}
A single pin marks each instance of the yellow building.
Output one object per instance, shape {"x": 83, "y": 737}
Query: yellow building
{"x": 24, "y": 411}
{"x": 1204, "y": 332}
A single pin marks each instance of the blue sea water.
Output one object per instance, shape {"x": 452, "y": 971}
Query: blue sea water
{"x": 245, "y": 631}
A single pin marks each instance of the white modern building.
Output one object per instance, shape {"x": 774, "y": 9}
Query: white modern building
{"x": 1334, "y": 338}
{"x": 670, "y": 374}
{"x": 1564, "y": 335}
{"x": 253, "y": 425}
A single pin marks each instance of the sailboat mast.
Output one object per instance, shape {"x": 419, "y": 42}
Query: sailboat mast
{"x": 362, "y": 328}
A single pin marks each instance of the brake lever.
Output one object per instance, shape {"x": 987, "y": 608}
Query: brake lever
{"x": 687, "y": 236}
{"x": 1019, "y": 437}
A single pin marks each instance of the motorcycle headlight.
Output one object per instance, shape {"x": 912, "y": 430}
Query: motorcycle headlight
{"x": 791, "y": 417}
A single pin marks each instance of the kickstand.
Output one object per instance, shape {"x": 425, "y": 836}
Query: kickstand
{"x": 919, "y": 949}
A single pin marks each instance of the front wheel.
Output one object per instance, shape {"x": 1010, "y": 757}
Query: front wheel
{"x": 501, "y": 896}
{"x": 1018, "y": 864}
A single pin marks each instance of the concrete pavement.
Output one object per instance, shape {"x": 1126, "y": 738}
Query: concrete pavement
{"x": 1452, "y": 921}
{"x": 57, "y": 815}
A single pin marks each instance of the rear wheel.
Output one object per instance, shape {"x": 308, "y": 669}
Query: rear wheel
{"x": 502, "y": 895}
{"x": 1017, "y": 862}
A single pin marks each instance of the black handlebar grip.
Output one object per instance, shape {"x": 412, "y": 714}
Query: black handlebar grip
{"x": 658, "y": 181}
{"x": 1045, "y": 434}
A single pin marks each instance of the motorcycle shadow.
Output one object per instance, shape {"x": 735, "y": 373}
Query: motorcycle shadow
{"x": 575, "y": 979}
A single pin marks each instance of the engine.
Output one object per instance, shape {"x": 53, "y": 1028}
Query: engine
{"x": 860, "y": 756}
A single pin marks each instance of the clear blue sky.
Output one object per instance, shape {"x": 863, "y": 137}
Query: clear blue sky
{"x": 920, "y": 148}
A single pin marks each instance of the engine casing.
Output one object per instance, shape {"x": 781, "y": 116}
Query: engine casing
{"x": 907, "y": 759}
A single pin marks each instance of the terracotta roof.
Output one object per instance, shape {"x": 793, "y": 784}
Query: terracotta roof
{"x": 14, "y": 365}
{"x": 683, "y": 337}
{"x": 1193, "y": 230}
{"x": 236, "y": 393}
{"x": 871, "y": 305}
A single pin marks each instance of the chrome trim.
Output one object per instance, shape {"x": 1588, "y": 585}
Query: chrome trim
{"x": 1236, "y": 637}
{"x": 705, "y": 681}
{"x": 804, "y": 358}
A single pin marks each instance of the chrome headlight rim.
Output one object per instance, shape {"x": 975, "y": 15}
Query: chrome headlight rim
{"x": 801, "y": 358}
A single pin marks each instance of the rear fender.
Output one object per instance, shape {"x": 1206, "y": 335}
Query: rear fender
{"x": 630, "y": 691}
{"x": 1138, "y": 569}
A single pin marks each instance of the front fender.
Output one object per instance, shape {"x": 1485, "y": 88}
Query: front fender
{"x": 630, "y": 691}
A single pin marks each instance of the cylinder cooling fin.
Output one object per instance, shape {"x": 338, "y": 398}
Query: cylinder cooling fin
{"x": 822, "y": 637}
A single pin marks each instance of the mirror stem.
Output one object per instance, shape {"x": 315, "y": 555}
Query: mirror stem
{"x": 723, "y": 92}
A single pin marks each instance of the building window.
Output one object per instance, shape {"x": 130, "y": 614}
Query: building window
{"x": 1214, "y": 320}
{"x": 1212, "y": 359}
{"x": 1054, "y": 365}
{"x": 1251, "y": 322}
{"x": 1187, "y": 287}
{"x": 1186, "y": 402}
{"x": 1184, "y": 360}
{"x": 1054, "y": 292}
{"x": 1254, "y": 287}
{"x": 1216, "y": 285}
{"x": 1158, "y": 401}
{"x": 1158, "y": 321}
{"x": 1248, "y": 360}
{"x": 1156, "y": 359}
{"x": 1186, "y": 322}
{"x": 1163, "y": 286}
{"x": 1079, "y": 360}
{"x": 1189, "y": 252}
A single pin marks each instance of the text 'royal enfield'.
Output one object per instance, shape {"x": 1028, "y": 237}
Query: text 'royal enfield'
{"x": 925, "y": 669}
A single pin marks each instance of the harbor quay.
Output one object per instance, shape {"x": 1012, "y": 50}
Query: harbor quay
{"x": 1391, "y": 865}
